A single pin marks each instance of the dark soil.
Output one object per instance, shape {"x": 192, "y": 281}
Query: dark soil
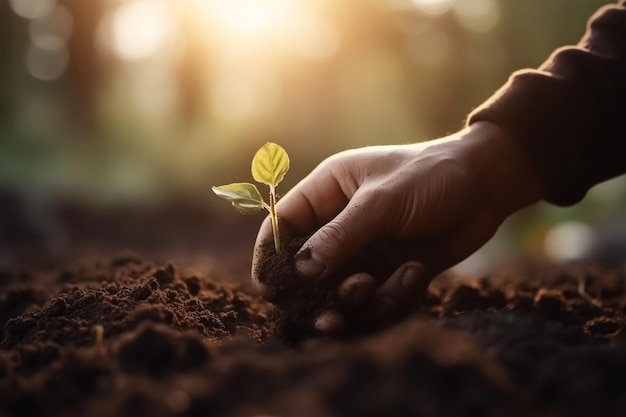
{"x": 298, "y": 300}
{"x": 124, "y": 337}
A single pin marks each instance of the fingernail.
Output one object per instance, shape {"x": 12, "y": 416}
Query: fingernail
{"x": 329, "y": 322}
{"x": 410, "y": 276}
{"x": 308, "y": 264}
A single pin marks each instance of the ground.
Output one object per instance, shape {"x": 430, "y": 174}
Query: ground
{"x": 122, "y": 336}
{"x": 173, "y": 328}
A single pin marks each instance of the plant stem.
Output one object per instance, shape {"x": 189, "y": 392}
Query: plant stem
{"x": 274, "y": 217}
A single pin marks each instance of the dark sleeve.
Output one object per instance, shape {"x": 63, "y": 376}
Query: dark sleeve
{"x": 569, "y": 115}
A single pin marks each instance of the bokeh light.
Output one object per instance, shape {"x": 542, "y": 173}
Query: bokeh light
{"x": 251, "y": 17}
{"x": 433, "y": 7}
{"x": 32, "y": 9}
{"x": 156, "y": 99}
{"x": 48, "y": 55}
{"x": 569, "y": 241}
{"x": 270, "y": 27}
{"x": 140, "y": 29}
{"x": 48, "y": 59}
{"x": 477, "y": 15}
{"x": 57, "y": 23}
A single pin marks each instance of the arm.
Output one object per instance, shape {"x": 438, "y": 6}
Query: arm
{"x": 398, "y": 216}
{"x": 419, "y": 209}
{"x": 569, "y": 116}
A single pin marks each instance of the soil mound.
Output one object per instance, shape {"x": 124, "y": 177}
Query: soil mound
{"x": 125, "y": 337}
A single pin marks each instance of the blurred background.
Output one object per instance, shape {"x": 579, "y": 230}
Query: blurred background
{"x": 117, "y": 116}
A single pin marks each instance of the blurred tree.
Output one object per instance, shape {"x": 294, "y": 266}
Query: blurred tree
{"x": 191, "y": 72}
{"x": 87, "y": 67}
{"x": 12, "y": 41}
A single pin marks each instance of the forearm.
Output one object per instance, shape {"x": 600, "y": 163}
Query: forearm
{"x": 567, "y": 116}
{"x": 504, "y": 171}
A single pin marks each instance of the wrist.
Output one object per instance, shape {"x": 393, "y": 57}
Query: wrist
{"x": 501, "y": 166}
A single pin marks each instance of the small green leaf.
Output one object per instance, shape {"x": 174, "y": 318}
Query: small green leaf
{"x": 270, "y": 164}
{"x": 245, "y": 197}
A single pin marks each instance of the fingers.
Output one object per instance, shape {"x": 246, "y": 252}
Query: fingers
{"x": 309, "y": 205}
{"x": 369, "y": 306}
{"x": 339, "y": 240}
{"x": 330, "y": 322}
{"x": 314, "y": 201}
{"x": 403, "y": 282}
{"x": 356, "y": 290}
{"x": 400, "y": 292}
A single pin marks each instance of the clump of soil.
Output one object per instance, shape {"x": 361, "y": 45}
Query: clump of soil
{"x": 126, "y": 337}
{"x": 299, "y": 300}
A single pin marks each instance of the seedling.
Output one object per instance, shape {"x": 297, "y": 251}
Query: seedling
{"x": 269, "y": 166}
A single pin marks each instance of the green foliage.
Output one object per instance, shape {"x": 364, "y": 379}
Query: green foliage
{"x": 244, "y": 197}
{"x": 269, "y": 166}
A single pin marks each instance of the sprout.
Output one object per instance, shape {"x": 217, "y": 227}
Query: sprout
{"x": 269, "y": 166}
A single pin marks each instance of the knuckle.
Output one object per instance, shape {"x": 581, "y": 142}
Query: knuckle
{"x": 334, "y": 162}
{"x": 335, "y": 236}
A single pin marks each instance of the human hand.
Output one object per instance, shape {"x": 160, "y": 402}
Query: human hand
{"x": 403, "y": 214}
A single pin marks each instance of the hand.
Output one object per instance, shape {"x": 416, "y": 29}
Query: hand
{"x": 415, "y": 210}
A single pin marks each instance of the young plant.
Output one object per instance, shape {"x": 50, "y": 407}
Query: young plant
{"x": 269, "y": 166}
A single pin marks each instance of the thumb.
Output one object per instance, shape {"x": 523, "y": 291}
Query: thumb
{"x": 339, "y": 240}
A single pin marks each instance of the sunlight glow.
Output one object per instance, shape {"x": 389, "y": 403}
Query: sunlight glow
{"x": 140, "y": 29}
{"x": 433, "y": 7}
{"x": 313, "y": 38}
{"x": 240, "y": 94}
{"x": 269, "y": 26}
{"x": 249, "y": 16}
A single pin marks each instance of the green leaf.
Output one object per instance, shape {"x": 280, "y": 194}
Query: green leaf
{"x": 245, "y": 197}
{"x": 270, "y": 164}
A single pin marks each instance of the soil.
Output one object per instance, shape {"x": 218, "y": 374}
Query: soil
{"x": 298, "y": 301}
{"x": 126, "y": 337}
